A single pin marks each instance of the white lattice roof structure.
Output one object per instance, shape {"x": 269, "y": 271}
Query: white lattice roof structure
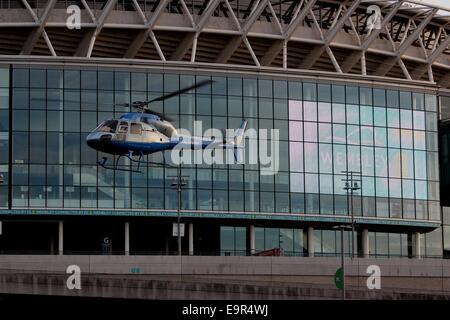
{"x": 398, "y": 39}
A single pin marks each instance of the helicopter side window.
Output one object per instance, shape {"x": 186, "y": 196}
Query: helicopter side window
{"x": 123, "y": 128}
{"x": 108, "y": 126}
{"x": 136, "y": 128}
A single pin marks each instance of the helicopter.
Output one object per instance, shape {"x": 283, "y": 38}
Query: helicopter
{"x": 144, "y": 132}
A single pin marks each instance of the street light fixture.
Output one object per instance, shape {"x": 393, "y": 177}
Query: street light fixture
{"x": 342, "y": 227}
{"x": 352, "y": 184}
{"x": 178, "y": 182}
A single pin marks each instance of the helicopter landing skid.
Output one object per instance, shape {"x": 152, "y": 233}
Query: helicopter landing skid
{"x": 116, "y": 166}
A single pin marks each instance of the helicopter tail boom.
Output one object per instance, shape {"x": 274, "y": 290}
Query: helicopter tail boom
{"x": 238, "y": 136}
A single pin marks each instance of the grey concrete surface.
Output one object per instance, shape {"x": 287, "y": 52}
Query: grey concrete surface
{"x": 201, "y": 277}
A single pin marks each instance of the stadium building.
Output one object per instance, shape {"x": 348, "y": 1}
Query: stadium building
{"x": 357, "y": 89}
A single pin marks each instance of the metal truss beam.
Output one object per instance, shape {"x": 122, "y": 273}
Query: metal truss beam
{"x": 87, "y": 43}
{"x": 190, "y": 39}
{"x": 278, "y": 45}
{"x": 355, "y": 56}
{"x": 234, "y": 43}
{"x": 445, "y": 80}
{"x": 143, "y": 35}
{"x": 421, "y": 69}
{"x": 34, "y": 36}
{"x": 387, "y": 65}
{"x": 315, "y": 54}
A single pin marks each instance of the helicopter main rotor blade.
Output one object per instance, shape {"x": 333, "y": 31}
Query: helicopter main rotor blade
{"x": 156, "y": 113}
{"x": 175, "y": 93}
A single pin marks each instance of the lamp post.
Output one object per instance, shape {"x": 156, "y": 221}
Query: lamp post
{"x": 352, "y": 184}
{"x": 342, "y": 227}
{"x": 178, "y": 182}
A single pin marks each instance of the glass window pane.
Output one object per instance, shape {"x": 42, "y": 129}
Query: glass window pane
{"x": 295, "y": 110}
{"x": 430, "y": 102}
{"x": 352, "y": 95}
{"x": 405, "y": 100}
{"x": 379, "y": 97}
{"x": 265, "y": 108}
{"x": 324, "y": 112}
{"x": 21, "y": 77}
{"x": 352, "y": 114}
{"x": 381, "y": 162}
{"x": 325, "y": 132}
{"x": 406, "y": 119}
{"x": 72, "y": 79}
{"x": 392, "y": 99}
{"x": 380, "y": 137}
{"x": 280, "y": 89}
{"x": 295, "y": 90}
{"x": 311, "y": 163}
{"x": 265, "y": 88}
{"x": 235, "y": 86}
{"x": 325, "y": 158}
{"x": 394, "y": 163}
{"x": 393, "y": 118}
{"x": 367, "y": 161}
{"x": 296, "y": 131}
{"x": 309, "y": 91}
{"x": 338, "y": 113}
{"x": 310, "y": 133}
{"x": 366, "y": 114}
{"x": 338, "y": 93}
{"x": 324, "y": 91}
{"x": 367, "y": 135}
{"x": 310, "y": 113}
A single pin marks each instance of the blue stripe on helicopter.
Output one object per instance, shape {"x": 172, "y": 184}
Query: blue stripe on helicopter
{"x": 148, "y": 147}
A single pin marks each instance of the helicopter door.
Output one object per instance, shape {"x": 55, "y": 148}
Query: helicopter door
{"x": 122, "y": 131}
{"x": 135, "y": 132}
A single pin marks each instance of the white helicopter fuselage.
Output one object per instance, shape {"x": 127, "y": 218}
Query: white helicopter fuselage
{"x": 125, "y": 136}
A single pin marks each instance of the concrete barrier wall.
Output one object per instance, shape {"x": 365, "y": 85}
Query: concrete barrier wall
{"x": 217, "y": 265}
{"x": 221, "y": 277}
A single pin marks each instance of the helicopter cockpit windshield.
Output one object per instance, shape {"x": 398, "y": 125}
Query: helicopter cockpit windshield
{"x": 108, "y": 126}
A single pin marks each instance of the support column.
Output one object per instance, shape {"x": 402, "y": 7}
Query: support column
{"x": 191, "y": 239}
{"x": 365, "y": 243}
{"x": 127, "y": 238}
{"x": 417, "y": 245}
{"x": 252, "y": 240}
{"x": 310, "y": 242}
{"x": 60, "y": 238}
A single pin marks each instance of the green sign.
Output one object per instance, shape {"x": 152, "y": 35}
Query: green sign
{"x": 338, "y": 279}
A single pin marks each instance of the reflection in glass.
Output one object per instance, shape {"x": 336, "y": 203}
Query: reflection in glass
{"x": 325, "y": 132}
{"x": 380, "y": 137}
{"x": 310, "y": 113}
{"x": 324, "y": 112}
{"x": 296, "y": 156}
{"x": 311, "y": 163}
{"x": 310, "y": 131}
{"x": 366, "y": 114}
{"x": 338, "y": 113}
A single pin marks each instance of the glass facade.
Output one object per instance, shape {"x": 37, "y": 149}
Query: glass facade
{"x": 389, "y": 136}
{"x": 325, "y": 129}
{"x": 4, "y": 136}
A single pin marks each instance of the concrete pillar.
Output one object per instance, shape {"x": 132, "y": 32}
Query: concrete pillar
{"x": 191, "y": 239}
{"x": 252, "y": 240}
{"x": 310, "y": 242}
{"x": 127, "y": 238}
{"x": 365, "y": 243}
{"x": 417, "y": 245}
{"x": 61, "y": 238}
